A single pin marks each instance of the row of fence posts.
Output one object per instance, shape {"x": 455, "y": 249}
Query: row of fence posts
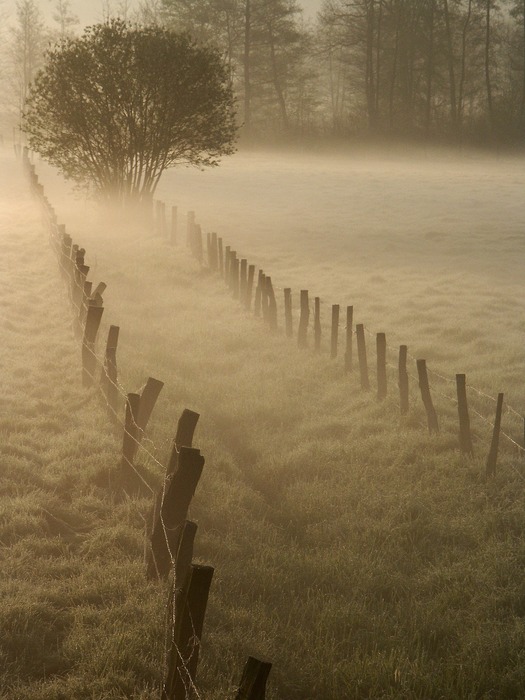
{"x": 240, "y": 277}
{"x": 169, "y": 534}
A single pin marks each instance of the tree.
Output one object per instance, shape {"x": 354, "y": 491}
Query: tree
{"x": 115, "y": 107}
{"x": 63, "y": 16}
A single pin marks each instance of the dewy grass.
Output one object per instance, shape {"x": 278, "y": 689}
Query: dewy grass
{"x": 362, "y": 556}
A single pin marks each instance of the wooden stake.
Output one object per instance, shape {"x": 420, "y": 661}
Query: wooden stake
{"x": 349, "y": 329}
{"x": 183, "y": 656}
{"x": 317, "y": 324}
{"x": 335, "y": 331}
{"x": 271, "y": 304}
{"x": 227, "y": 264}
{"x": 403, "y": 380}
{"x": 424, "y": 386}
{"x": 304, "y": 318}
{"x": 465, "y": 438}
{"x": 381, "y": 366}
{"x": 492, "y": 458}
{"x": 183, "y": 437}
{"x": 361, "y": 355}
{"x": 253, "y": 681}
{"x": 129, "y": 443}
{"x": 257, "y": 309}
{"x": 221, "y": 256}
{"x": 249, "y": 287}
{"x": 243, "y": 281}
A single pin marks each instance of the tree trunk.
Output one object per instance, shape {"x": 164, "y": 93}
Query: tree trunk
{"x": 246, "y": 68}
{"x": 450, "y": 62}
{"x": 488, "y": 83}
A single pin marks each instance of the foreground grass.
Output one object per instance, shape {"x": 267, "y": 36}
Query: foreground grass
{"x": 363, "y": 557}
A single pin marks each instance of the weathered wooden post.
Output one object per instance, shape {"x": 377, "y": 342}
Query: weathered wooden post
{"x": 198, "y": 242}
{"x": 465, "y": 438}
{"x": 179, "y": 490}
{"x": 227, "y": 251}
{"x": 271, "y": 304}
{"x": 109, "y": 373}
{"x": 403, "y": 380}
{"x": 349, "y": 329}
{"x": 253, "y": 681}
{"x": 258, "y": 293}
{"x": 231, "y": 280}
{"x": 335, "y": 331}
{"x": 317, "y": 324}
{"x": 288, "y": 323}
{"x": 265, "y": 302}
{"x": 304, "y": 317}
{"x": 361, "y": 356}
{"x": 89, "y": 359}
{"x": 243, "y": 281}
{"x": 148, "y": 399}
{"x": 249, "y": 287}
{"x": 235, "y": 276}
{"x": 174, "y": 226}
{"x": 86, "y": 294}
{"x": 492, "y": 458}
{"x": 183, "y": 656}
{"x": 381, "y": 366}
{"x": 424, "y": 387}
{"x": 214, "y": 253}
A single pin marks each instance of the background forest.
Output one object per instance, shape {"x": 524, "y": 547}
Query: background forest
{"x": 445, "y": 70}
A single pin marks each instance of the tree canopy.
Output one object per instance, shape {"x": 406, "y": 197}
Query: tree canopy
{"x": 114, "y": 108}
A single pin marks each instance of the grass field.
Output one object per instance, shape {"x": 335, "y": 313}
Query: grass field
{"x": 362, "y": 556}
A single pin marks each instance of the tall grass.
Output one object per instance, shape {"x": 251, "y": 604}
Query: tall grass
{"x": 362, "y": 556}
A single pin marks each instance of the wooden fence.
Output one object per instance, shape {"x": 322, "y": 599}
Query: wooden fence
{"x": 170, "y": 535}
{"x": 255, "y": 292}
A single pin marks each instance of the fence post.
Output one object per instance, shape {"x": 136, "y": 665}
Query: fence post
{"x": 264, "y": 298}
{"x": 227, "y": 251}
{"x": 109, "y": 373}
{"x": 257, "y": 304}
{"x": 173, "y": 229}
{"x": 335, "y": 331}
{"x": 214, "y": 253}
{"x": 179, "y": 490}
{"x": 304, "y": 317}
{"x": 492, "y": 458}
{"x": 235, "y": 276}
{"x": 381, "y": 366}
{"x": 148, "y": 399}
{"x": 249, "y": 287}
{"x": 427, "y": 398}
{"x": 349, "y": 329}
{"x": 271, "y": 303}
{"x": 465, "y": 438}
{"x": 86, "y": 294}
{"x": 403, "y": 380}
{"x": 243, "y": 281}
{"x": 288, "y": 323}
{"x": 361, "y": 356}
{"x": 183, "y": 437}
{"x": 183, "y": 657}
{"x": 253, "y": 681}
{"x": 89, "y": 359}
{"x": 198, "y": 242}
{"x": 317, "y": 324}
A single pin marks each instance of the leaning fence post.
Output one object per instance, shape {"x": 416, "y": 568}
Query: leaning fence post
{"x": 243, "y": 281}
{"x": 381, "y": 366}
{"x": 221, "y": 256}
{"x": 426, "y": 397}
{"x": 227, "y": 264}
{"x": 89, "y": 359}
{"x": 492, "y": 458}
{"x": 465, "y": 438}
{"x": 361, "y": 355}
{"x": 304, "y": 317}
{"x": 179, "y": 490}
{"x": 253, "y": 681}
{"x": 183, "y": 437}
{"x": 335, "y": 331}
{"x": 317, "y": 324}
{"x": 183, "y": 656}
{"x": 257, "y": 308}
{"x": 403, "y": 380}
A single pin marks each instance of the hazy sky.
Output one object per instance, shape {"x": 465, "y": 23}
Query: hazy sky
{"x": 90, "y": 11}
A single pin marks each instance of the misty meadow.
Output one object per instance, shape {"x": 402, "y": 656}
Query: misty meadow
{"x": 262, "y": 429}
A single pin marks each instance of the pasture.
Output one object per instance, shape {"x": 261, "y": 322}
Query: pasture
{"x": 363, "y": 557}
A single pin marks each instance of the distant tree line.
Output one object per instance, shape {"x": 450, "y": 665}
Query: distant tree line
{"x": 439, "y": 69}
